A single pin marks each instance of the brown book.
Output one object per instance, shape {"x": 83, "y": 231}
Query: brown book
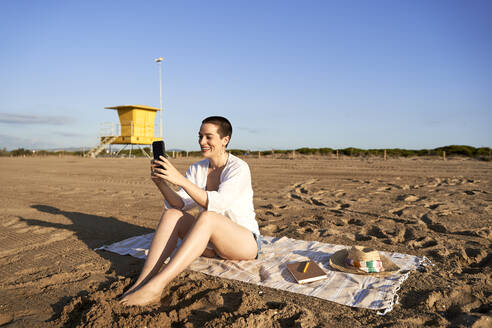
{"x": 313, "y": 271}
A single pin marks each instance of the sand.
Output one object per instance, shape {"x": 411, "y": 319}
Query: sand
{"x": 54, "y": 211}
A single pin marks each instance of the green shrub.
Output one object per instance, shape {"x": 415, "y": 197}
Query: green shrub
{"x": 325, "y": 151}
{"x": 483, "y": 152}
{"x": 238, "y": 152}
{"x": 467, "y": 151}
{"x": 307, "y": 151}
{"x": 351, "y": 151}
{"x": 21, "y": 152}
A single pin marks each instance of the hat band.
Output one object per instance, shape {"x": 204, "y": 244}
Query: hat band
{"x": 366, "y": 266}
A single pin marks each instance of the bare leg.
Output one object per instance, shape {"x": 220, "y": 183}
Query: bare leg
{"x": 231, "y": 241}
{"x": 173, "y": 223}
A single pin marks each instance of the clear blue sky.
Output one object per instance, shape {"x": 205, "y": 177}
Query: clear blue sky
{"x": 288, "y": 74}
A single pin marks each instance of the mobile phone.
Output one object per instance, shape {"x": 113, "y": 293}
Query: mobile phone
{"x": 158, "y": 149}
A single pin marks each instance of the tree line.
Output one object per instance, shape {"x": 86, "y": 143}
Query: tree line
{"x": 482, "y": 153}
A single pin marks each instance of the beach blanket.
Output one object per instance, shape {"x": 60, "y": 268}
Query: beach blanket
{"x": 269, "y": 270}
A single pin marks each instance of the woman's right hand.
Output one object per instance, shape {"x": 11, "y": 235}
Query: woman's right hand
{"x": 169, "y": 194}
{"x": 155, "y": 178}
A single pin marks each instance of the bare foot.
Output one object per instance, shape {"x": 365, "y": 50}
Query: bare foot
{"x": 135, "y": 286}
{"x": 130, "y": 290}
{"x": 144, "y": 295}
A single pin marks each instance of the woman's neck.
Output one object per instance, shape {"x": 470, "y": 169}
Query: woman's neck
{"x": 218, "y": 161}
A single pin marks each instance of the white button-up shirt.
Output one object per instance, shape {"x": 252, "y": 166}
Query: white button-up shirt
{"x": 234, "y": 199}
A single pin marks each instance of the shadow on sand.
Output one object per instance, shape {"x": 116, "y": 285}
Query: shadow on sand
{"x": 94, "y": 231}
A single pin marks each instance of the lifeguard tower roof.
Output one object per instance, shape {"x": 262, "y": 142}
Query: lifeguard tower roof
{"x": 133, "y": 107}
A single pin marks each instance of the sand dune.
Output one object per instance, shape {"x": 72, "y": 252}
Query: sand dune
{"x": 55, "y": 211}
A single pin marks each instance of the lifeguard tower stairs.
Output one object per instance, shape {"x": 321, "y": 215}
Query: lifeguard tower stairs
{"x": 136, "y": 127}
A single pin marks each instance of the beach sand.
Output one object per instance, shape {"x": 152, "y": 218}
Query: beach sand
{"x": 55, "y": 211}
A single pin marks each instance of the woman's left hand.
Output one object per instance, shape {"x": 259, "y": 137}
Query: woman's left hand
{"x": 168, "y": 172}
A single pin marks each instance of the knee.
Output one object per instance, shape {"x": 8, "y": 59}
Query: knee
{"x": 171, "y": 214}
{"x": 206, "y": 217}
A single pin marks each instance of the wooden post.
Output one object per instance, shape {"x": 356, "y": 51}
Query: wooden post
{"x": 293, "y": 154}
{"x": 273, "y": 153}
{"x": 444, "y": 155}
{"x": 337, "y": 154}
{"x": 385, "y": 154}
{"x": 174, "y": 154}
{"x": 186, "y": 154}
{"x": 259, "y": 154}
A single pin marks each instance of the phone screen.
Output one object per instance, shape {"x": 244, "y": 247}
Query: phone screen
{"x": 158, "y": 149}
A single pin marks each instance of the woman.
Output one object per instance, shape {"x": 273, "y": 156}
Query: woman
{"x": 226, "y": 226}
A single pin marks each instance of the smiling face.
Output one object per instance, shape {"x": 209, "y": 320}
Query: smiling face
{"x": 211, "y": 143}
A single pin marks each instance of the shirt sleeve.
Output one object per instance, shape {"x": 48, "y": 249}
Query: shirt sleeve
{"x": 237, "y": 180}
{"x": 189, "y": 203}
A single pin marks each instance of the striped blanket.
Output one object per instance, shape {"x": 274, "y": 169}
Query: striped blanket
{"x": 377, "y": 293}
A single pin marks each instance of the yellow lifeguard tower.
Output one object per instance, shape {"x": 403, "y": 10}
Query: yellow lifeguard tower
{"x": 136, "y": 128}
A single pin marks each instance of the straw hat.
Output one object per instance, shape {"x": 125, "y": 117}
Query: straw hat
{"x": 362, "y": 260}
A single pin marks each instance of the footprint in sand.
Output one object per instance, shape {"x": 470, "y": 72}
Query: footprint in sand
{"x": 296, "y": 196}
{"x": 271, "y": 228}
{"x": 274, "y": 214}
{"x": 306, "y": 231}
{"x": 457, "y": 303}
{"x": 362, "y": 237}
{"x": 433, "y": 206}
{"x": 309, "y": 223}
{"x": 429, "y": 220}
{"x": 356, "y": 222}
{"x": 409, "y": 198}
{"x": 473, "y": 256}
{"x": 474, "y": 192}
{"x": 396, "y": 186}
{"x": 399, "y": 210}
{"x": 453, "y": 181}
{"x": 423, "y": 242}
{"x": 408, "y": 234}
{"x": 297, "y": 186}
{"x": 317, "y": 202}
{"x": 445, "y": 212}
{"x": 273, "y": 206}
{"x": 432, "y": 182}
{"x": 339, "y": 193}
{"x": 375, "y": 231}
{"x": 310, "y": 200}
{"x": 339, "y": 206}
{"x": 402, "y": 234}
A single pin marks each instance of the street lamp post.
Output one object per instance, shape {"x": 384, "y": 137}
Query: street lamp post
{"x": 159, "y": 61}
